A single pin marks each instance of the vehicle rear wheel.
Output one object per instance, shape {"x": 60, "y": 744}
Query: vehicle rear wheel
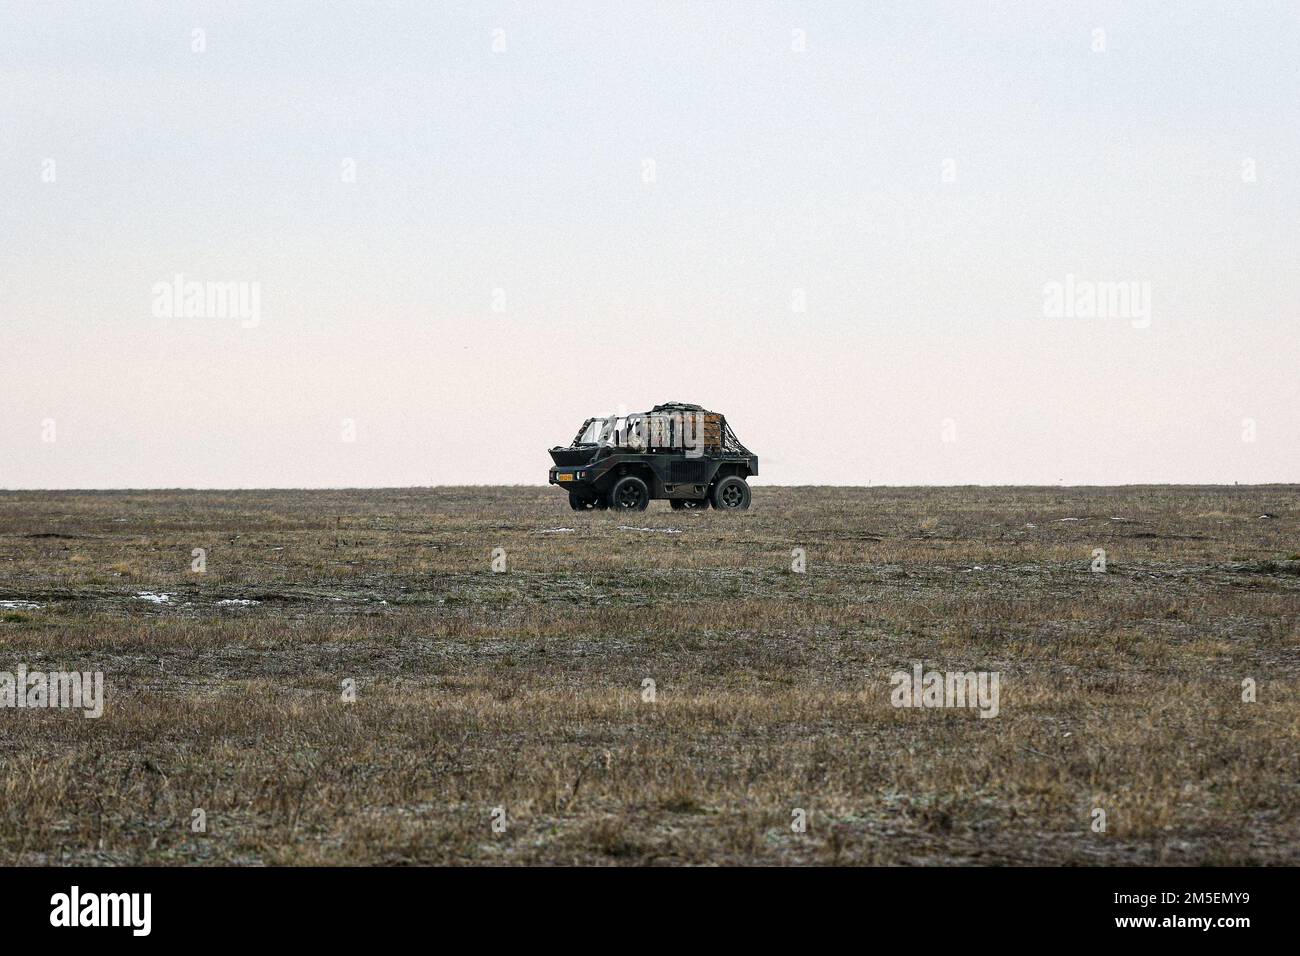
{"x": 690, "y": 504}
{"x": 629, "y": 494}
{"x": 731, "y": 494}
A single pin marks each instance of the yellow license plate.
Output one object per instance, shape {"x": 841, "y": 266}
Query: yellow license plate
{"x": 563, "y": 477}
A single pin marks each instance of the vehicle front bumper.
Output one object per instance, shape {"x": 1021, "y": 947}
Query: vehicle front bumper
{"x": 572, "y": 477}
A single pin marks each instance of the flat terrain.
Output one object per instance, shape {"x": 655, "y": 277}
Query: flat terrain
{"x": 525, "y": 690}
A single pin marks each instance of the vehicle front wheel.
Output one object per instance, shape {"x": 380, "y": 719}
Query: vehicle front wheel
{"x": 629, "y": 494}
{"x": 690, "y": 504}
{"x": 731, "y": 494}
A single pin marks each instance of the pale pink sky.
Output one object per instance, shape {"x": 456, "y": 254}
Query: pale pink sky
{"x": 506, "y": 263}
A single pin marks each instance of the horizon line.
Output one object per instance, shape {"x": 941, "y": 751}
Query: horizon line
{"x": 196, "y": 488}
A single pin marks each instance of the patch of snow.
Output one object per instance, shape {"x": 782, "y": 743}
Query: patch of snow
{"x": 238, "y": 602}
{"x": 624, "y": 527}
{"x": 154, "y": 598}
{"x": 19, "y": 605}
{"x": 556, "y": 530}
{"x": 1069, "y": 519}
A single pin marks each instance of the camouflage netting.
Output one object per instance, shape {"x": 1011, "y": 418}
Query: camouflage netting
{"x": 730, "y": 443}
{"x": 725, "y": 438}
{"x": 662, "y": 427}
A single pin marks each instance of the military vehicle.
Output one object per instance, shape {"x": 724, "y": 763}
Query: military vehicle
{"x": 683, "y": 453}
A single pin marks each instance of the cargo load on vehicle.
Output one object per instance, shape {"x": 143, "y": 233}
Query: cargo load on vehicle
{"x": 679, "y": 452}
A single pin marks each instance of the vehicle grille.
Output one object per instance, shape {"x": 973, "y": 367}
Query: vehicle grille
{"x": 686, "y": 471}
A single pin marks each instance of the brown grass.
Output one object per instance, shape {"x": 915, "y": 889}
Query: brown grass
{"x": 523, "y": 690}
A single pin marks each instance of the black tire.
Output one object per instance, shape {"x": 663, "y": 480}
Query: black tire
{"x": 690, "y": 504}
{"x": 629, "y": 494}
{"x": 582, "y": 503}
{"x": 731, "y": 494}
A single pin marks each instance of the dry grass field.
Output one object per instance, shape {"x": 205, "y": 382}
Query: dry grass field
{"x": 523, "y": 690}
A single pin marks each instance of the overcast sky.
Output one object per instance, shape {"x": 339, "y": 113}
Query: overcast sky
{"x": 867, "y": 233}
